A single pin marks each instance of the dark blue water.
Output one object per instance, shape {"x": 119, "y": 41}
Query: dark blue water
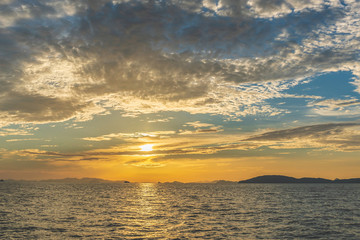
{"x": 40, "y": 210}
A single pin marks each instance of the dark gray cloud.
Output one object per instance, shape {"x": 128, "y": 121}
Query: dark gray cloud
{"x": 312, "y": 131}
{"x": 34, "y": 107}
{"x": 349, "y": 103}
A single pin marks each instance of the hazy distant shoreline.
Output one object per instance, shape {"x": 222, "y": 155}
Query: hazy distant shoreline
{"x": 286, "y": 179}
{"x": 259, "y": 179}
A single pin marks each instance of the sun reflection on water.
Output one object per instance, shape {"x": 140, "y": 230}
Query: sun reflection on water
{"x": 148, "y": 191}
{"x": 148, "y": 195}
{"x": 147, "y": 199}
{"x": 150, "y": 209}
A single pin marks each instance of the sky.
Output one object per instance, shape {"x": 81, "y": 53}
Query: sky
{"x": 179, "y": 90}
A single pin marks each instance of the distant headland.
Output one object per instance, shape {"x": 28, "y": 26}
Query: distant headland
{"x": 259, "y": 179}
{"x": 286, "y": 179}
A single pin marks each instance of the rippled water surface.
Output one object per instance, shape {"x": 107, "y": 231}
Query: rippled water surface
{"x": 40, "y": 210}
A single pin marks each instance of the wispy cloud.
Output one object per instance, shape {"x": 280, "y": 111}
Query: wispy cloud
{"x": 200, "y": 150}
{"x": 14, "y": 132}
{"x": 22, "y": 139}
{"x": 154, "y": 134}
{"x": 200, "y": 128}
{"x": 336, "y": 107}
{"x": 330, "y": 136}
{"x": 160, "y": 120}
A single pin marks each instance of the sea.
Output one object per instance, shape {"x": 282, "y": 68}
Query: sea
{"x": 53, "y": 210}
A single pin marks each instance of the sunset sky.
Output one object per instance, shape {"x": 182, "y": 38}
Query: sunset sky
{"x": 178, "y": 90}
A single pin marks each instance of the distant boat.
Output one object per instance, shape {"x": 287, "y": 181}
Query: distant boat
{"x": 126, "y": 182}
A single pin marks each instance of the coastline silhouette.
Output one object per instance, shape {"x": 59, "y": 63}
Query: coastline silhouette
{"x": 286, "y": 179}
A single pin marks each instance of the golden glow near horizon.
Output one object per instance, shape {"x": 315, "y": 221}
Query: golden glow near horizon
{"x": 144, "y": 101}
{"x": 146, "y": 147}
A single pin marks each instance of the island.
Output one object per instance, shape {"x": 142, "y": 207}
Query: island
{"x": 286, "y": 179}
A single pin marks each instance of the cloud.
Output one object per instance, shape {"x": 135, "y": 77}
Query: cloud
{"x": 145, "y": 163}
{"x": 154, "y": 134}
{"x": 32, "y": 107}
{"x": 340, "y": 137}
{"x": 279, "y": 8}
{"x": 23, "y": 139}
{"x": 299, "y": 132}
{"x": 330, "y": 136}
{"x": 14, "y": 132}
{"x": 336, "y": 107}
{"x": 200, "y": 128}
{"x": 198, "y": 124}
{"x": 168, "y": 119}
{"x": 139, "y": 156}
{"x": 48, "y": 146}
{"x": 75, "y": 59}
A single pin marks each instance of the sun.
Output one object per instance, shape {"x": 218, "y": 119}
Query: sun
{"x": 147, "y": 147}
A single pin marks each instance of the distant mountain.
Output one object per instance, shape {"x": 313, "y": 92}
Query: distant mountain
{"x": 270, "y": 179}
{"x": 286, "y": 179}
{"x": 350, "y": 180}
{"x": 314, "y": 180}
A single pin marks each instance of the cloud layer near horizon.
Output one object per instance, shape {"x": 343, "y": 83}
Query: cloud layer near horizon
{"x": 74, "y": 59}
{"x": 335, "y": 137}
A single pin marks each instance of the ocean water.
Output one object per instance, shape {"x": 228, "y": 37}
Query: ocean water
{"x": 41, "y": 210}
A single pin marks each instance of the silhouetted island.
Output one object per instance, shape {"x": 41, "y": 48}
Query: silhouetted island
{"x": 286, "y": 179}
